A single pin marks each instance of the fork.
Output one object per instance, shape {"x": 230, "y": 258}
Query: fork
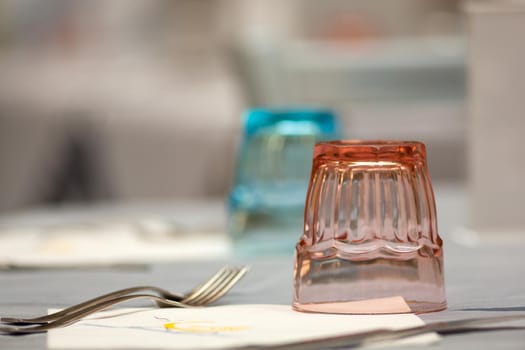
{"x": 77, "y": 315}
{"x": 204, "y": 294}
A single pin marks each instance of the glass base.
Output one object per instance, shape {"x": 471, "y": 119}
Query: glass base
{"x": 370, "y": 283}
{"x": 343, "y": 308}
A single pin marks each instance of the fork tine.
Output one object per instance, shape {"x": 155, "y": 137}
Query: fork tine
{"x": 219, "y": 292}
{"x": 209, "y": 285}
{"x": 200, "y": 288}
{"x": 220, "y": 288}
{"x": 200, "y": 299}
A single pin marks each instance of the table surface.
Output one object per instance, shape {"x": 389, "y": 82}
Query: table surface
{"x": 483, "y": 278}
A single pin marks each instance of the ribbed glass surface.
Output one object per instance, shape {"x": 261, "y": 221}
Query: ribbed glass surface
{"x": 370, "y": 227}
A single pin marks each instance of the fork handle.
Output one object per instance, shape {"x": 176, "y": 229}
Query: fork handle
{"x": 86, "y": 304}
{"x": 78, "y": 315}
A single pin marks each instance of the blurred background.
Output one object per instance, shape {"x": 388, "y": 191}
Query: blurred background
{"x": 122, "y": 100}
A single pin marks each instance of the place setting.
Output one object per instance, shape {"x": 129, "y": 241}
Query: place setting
{"x": 368, "y": 264}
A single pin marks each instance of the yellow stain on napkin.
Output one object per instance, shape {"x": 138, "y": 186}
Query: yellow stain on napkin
{"x": 202, "y": 327}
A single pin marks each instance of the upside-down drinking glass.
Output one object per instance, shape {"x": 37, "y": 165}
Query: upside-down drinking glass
{"x": 370, "y": 233}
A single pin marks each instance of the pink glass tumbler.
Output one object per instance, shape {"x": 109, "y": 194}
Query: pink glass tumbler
{"x": 370, "y": 242}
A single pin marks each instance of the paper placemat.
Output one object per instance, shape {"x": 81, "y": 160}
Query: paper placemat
{"x": 219, "y": 327}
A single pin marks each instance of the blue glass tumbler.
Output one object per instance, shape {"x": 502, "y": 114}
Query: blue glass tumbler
{"x": 266, "y": 203}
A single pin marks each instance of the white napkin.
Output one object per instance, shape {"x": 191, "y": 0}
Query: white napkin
{"x": 105, "y": 244}
{"x": 219, "y": 327}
